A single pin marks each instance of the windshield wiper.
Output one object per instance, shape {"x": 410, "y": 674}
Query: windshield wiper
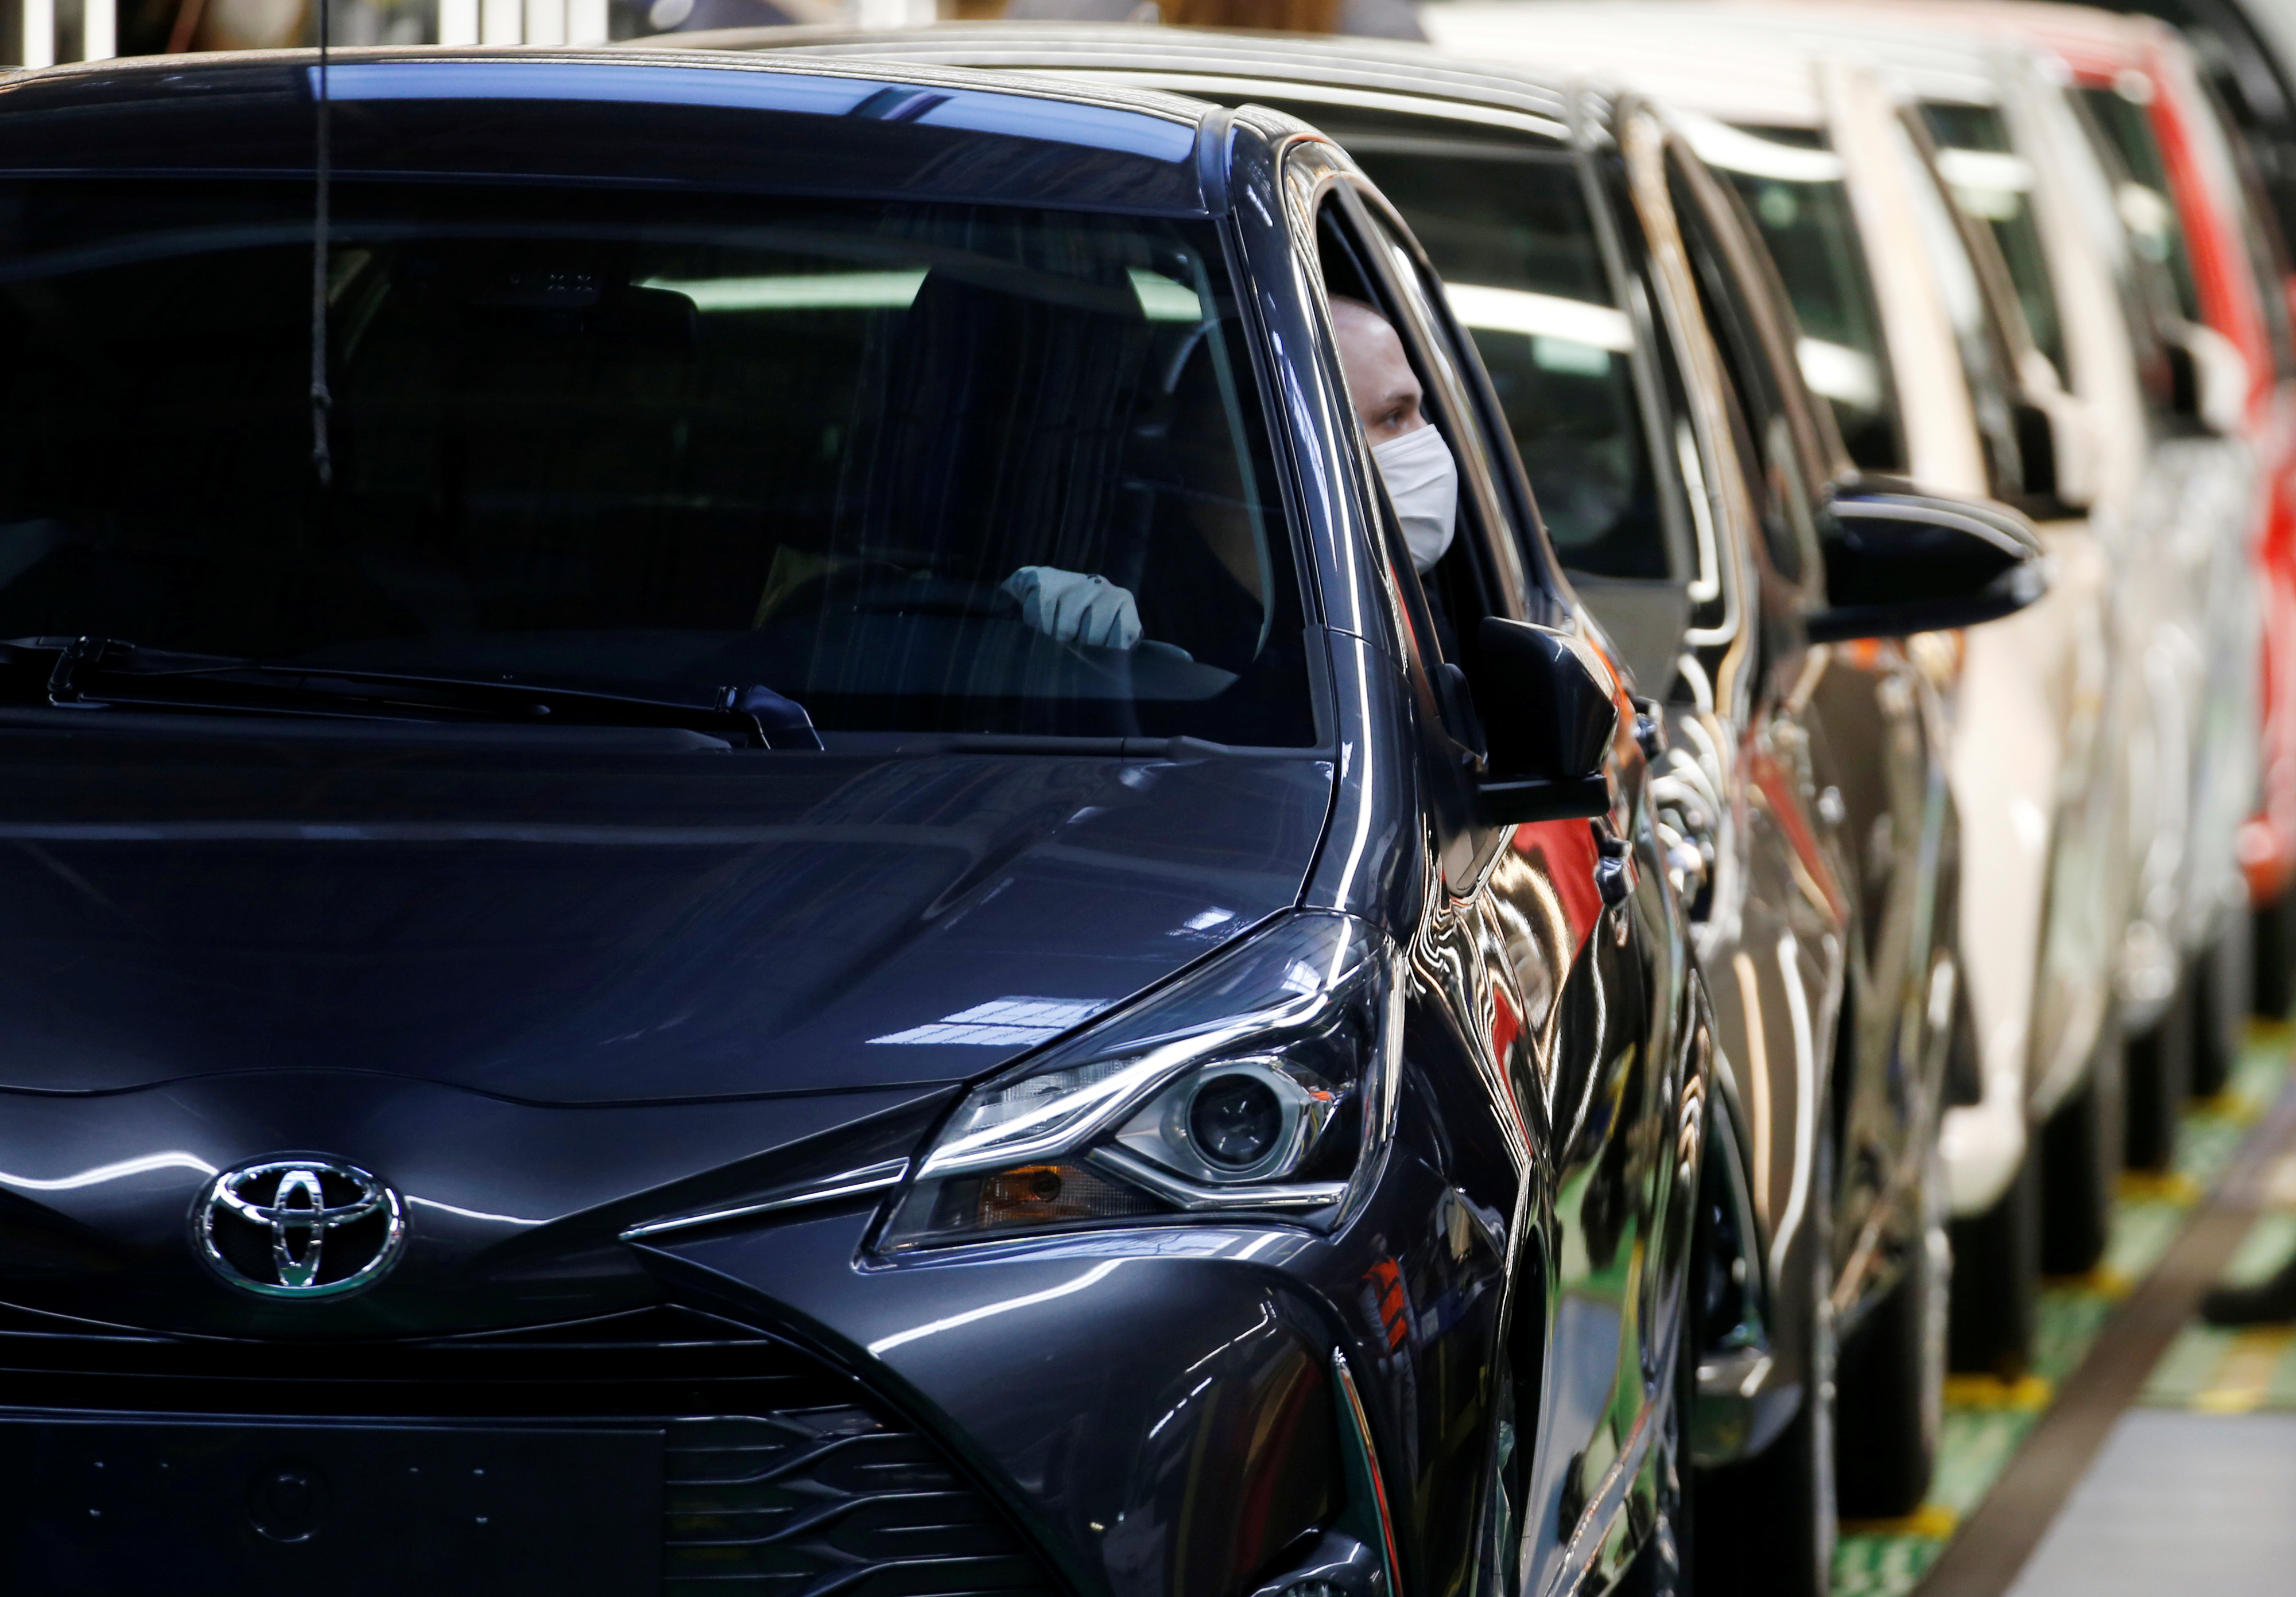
{"x": 97, "y": 672}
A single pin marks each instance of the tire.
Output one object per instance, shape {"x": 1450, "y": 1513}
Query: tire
{"x": 1662, "y": 1568}
{"x": 1890, "y": 1382}
{"x": 1996, "y": 1281}
{"x": 2272, "y": 976}
{"x": 2081, "y": 1147}
{"x": 1765, "y": 1527}
{"x": 2159, "y": 1063}
{"x": 2221, "y": 993}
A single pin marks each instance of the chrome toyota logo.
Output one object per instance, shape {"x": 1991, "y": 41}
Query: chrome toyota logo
{"x": 299, "y": 1227}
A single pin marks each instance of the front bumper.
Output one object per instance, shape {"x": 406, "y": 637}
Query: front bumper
{"x": 1161, "y": 1410}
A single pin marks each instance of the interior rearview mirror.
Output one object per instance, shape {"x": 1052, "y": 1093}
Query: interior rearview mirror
{"x": 1550, "y": 713}
{"x": 1900, "y": 563}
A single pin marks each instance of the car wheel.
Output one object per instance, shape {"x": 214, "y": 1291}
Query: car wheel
{"x": 2220, "y": 1003}
{"x": 1765, "y": 1527}
{"x": 1891, "y": 1378}
{"x": 2080, "y": 1145}
{"x": 1996, "y": 1281}
{"x": 2273, "y": 975}
{"x": 1662, "y": 1568}
{"x": 2159, "y": 1072}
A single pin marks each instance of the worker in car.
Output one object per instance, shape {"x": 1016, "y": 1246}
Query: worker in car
{"x": 1416, "y": 465}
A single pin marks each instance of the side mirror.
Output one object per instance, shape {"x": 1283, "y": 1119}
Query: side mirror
{"x": 1551, "y": 713}
{"x": 2208, "y": 378}
{"x": 1902, "y": 563}
{"x": 2056, "y": 449}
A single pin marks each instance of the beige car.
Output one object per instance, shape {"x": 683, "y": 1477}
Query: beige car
{"x": 2117, "y": 657}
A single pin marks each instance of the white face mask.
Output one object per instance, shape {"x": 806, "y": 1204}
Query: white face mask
{"x": 1423, "y": 481}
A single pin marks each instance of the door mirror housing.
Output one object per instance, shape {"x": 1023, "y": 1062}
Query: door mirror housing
{"x": 2054, "y": 440}
{"x": 1550, "y": 710}
{"x": 2209, "y": 379}
{"x": 2056, "y": 444}
{"x": 1898, "y": 563}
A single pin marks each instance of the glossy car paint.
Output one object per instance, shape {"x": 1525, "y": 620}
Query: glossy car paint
{"x": 1777, "y": 80}
{"x": 617, "y": 1024}
{"x": 2039, "y": 700}
{"x": 2087, "y": 737}
{"x": 1808, "y": 751}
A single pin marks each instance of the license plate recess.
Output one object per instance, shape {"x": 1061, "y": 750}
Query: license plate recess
{"x": 217, "y": 1508}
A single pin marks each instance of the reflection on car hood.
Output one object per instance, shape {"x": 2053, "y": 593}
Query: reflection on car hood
{"x": 553, "y": 930}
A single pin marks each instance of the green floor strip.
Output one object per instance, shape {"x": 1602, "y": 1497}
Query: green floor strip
{"x": 1986, "y": 1420}
{"x": 2238, "y": 1372}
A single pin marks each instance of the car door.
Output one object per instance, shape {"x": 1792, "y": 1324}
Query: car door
{"x": 1637, "y": 462}
{"x": 1877, "y": 784}
{"x": 1776, "y": 945}
{"x": 1562, "y": 939}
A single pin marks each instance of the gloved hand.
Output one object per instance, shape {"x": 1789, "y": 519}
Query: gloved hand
{"x": 1070, "y": 607}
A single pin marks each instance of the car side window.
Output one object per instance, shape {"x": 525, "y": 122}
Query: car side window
{"x": 1368, "y": 346}
{"x": 1513, "y": 227}
{"x": 1785, "y": 497}
{"x": 1994, "y": 186}
{"x": 1487, "y": 509}
{"x": 2122, "y": 125}
{"x": 1429, "y": 454}
{"x": 1962, "y": 261}
{"x": 2153, "y": 288}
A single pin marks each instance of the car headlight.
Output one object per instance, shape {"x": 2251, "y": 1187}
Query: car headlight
{"x": 1264, "y": 1080}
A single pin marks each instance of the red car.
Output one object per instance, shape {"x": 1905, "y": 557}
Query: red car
{"x": 2223, "y": 269}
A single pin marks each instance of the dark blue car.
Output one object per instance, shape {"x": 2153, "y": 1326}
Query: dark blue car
{"x": 740, "y": 853}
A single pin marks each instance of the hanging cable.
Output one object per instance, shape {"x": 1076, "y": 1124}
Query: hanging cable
{"x": 321, "y": 457}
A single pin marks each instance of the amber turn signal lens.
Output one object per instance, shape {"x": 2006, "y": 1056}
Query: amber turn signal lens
{"x": 1047, "y": 1194}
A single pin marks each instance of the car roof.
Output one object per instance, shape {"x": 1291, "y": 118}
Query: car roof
{"x": 1957, "y": 57}
{"x": 658, "y": 118}
{"x": 1698, "y": 57}
{"x": 1382, "y": 75}
{"x": 2096, "y": 40}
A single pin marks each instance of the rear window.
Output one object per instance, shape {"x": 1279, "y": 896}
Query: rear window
{"x": 935, "y": 468}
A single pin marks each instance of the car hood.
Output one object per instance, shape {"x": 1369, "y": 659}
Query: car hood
{"x": 544, "y": 998}
{"x": 572, "y": 930}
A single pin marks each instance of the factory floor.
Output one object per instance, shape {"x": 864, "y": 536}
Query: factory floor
{"x": 2145, "y": 1454}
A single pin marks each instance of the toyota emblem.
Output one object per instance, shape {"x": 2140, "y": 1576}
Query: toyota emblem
{"x": 299, "y": 1227}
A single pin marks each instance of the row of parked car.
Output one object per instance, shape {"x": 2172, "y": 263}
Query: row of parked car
{"x": 1759, "y": 290}
{"x": 1033, "y": 808}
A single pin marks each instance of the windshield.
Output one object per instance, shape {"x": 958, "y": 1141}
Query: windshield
{"x": 1794, "y": 188}
{"x": 1513, "y": 238}
{"x": 921, "y": 469}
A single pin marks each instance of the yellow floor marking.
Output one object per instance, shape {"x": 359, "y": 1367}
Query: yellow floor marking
{"x": 2244, "y": 1375}
{"x": 2166, "y": 1186}
{"x": 1934, "y": 1521}
{"x": 2231, "y": 1104}
{"x": 2028, "y": 1393}
{"x": 2104, "y": 1282}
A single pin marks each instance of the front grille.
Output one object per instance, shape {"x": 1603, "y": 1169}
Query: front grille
{"x": 829, "y": 1500}
{"x": 782, "y": 1475}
